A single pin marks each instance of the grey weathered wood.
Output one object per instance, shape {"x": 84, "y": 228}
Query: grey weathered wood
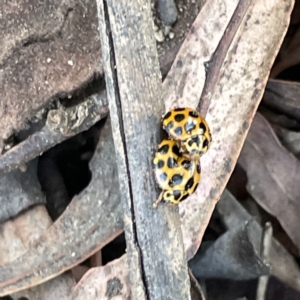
{"x": 156, "y": 258}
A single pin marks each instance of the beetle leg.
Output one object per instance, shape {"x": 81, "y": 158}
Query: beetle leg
{"x": 159, "y": 199}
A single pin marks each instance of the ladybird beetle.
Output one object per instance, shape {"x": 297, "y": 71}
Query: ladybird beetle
{"x": 190, "y": 128}
{"x": 176, "y": 175}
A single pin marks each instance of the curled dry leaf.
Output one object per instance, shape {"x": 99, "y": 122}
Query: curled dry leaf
{"x": 92, "y": 219}
{"x": 278, "y": 119}
{"x": 283, "y": 96}
{"x": 290, "y": 140}
{"x": 58, "y": 288}
{"x": 283, "y": 265}
{"x": 19, "y": 234}
{"x": 233, "y": 101}
{"x": 235, "y": 254}
{"x": 104, "y": 283}
{"x": 289, "y": 52}
{"x": 197, "y": 292}
{"x": 237, "y": 89}
{"x": 273, "y": 176}
{"x": 19, "y": 190}
{"x": 111, "y": 282}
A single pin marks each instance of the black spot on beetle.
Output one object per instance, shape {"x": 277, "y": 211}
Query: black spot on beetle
{"x": 189, "y": 126}
{"x": 169, "y": 126}
{"x": 178, "y": 130}
{"x": 177, "y": 194}
{"x": 189, "y": 184}
{"x": 198, "y": 168}
{"x": 205, "y": 143}
{"x": 167, "y": 116}
{"x": 163, "y": 176}
{"x": 187, "y": 164}
{"x": 195, "y": 188}
{"x": 179, "y": 109}
{"x": 179, "y": 117}
{"x": 160, "y": 164}
{"x": 171, "y": 163}
{"x": 193, "y": 114}
{"x": 190, "y": 142}
{"x": 194, "y": 140}
{"x": 175, "y": 150}
{"x": 163, "y": 149}
{"x": 175, "y": 180}
{"x": 203, "y": 127}
{"x": 184, "y": 197}
{"x": 168, "y": 194}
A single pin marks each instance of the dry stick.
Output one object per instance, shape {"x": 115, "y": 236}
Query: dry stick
{"x": 155, "y": 253}
{"x": 265, "y": 248}
{"x": 46, "y": 138}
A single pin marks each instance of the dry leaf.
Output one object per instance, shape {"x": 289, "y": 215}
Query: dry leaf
{"x": 289, "y": 52}
{"x": 79, "y": 232}
{"x": 283, "y": 265}
{"x": 234, "y": 255}
{"x": 104, "y": 283}
{"x": 273, "y": 176}
{"x": 233, "y": 101}
{"x": 284, "y": 97}
{"x": 20, "y": 190}
{"x": 18, "y": 235}
{"x": 58, "y": 288}
{"x": 289, "y": 139}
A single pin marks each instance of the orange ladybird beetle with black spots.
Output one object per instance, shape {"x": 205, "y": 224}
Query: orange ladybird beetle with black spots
{"x": 190, "y": 128}
{"x": 177, "y": 161}
{"x": 177, "y": 176}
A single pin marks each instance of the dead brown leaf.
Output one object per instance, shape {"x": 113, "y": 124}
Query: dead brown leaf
{"x": 283, "y": 265}
{"x": 92, "y": 219}
{"x": 283, "y": 96}
{"x": 59, "y": 287}
{"x": 289, "y": 52}
{"x": 18, "y": 235}
{"x": 290, "y": 140}
{"x": 235, "y": 254}
{"x": 273, "y": 176}
{"x": 19, "y": 190}
{"x": 104, "y": 283}
{"x": 238, "y": 90}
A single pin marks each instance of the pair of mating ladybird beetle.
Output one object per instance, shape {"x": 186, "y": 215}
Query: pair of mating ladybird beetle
{"x": 177, "y": 160}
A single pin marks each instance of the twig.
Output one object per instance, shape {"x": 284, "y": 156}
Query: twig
{"x": 83, "y": 116}
{"x": 265, "y": 248}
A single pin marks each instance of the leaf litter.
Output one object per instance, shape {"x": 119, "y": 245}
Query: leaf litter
{"x": 230, "y": 121}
